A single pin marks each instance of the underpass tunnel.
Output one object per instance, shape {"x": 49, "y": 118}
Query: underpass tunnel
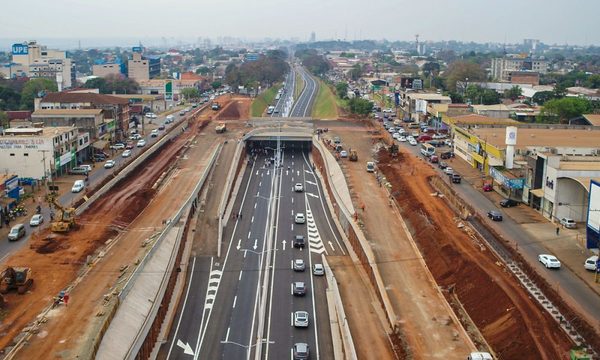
{"x": 287, "y": 146}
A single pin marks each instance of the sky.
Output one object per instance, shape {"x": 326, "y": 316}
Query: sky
{"x": 510, "y": 21}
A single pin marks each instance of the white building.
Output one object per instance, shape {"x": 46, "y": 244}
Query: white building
{"x": 35, "y": 152}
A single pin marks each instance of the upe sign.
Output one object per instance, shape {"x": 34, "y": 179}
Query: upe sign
{"x": 20, "y": 49}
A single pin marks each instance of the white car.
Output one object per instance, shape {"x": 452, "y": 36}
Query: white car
{"x": 591, "y": 263}
{"x": 298, "y": 265}
{"x": 300, "y": 319}
{"x": 318, "y": 270}
{"x": 448, "y": 170}
{"x": 151, "y": 115}
{"x": 154, "y": 133}
{"x": 78, "y": 186}
{"x": 135, "y": 137}
{"x": 36, "y": 220}
{"x": 141, "y": 143}
{"x": 109, "y": 164}
{"x": 298, "y": 187}
{"x": 344, "y": 154}
{"x": 299, "y": 218}
{"x": 568, "y": 223}
{"x": 402, "y": 138}
{"x": 118, "y": 146}
{"x": 396, "y": 135}
{"x": 412, "y": 141}
{"x": 549, "y": 261}
{"x": 414, "y": 134}
{"x": 126, "y": 153}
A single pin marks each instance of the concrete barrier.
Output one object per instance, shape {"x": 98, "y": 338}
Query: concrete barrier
{"x": 231, "y": 176}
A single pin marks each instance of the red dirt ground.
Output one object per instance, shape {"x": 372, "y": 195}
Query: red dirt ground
{"x": 55, "y": 262}
{"x": 234, "y": 108}
{"x": 513, "y": 324}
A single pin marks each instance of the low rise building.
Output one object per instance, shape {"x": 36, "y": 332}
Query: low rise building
{"x": 103, "y": 70}
{"x": 40, "y": 153}
{"x": 88, "y": 120}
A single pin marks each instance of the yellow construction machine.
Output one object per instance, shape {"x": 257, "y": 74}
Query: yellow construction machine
{"x": 66, "y": 221}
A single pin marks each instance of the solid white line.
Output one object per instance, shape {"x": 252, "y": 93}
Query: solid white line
{"x": 187, "y": 292}
{"x": 201, "y": 338}
{"x": 252, "y": 220}
{"x": 234, "y": 301}
{"x": 249, "y": 232}
{"x": 312, "y": 293}
{"x": 227, "y": 336}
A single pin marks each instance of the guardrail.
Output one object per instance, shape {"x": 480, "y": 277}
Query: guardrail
{"x": 142, "y": 334}
{"x": 225, "y": 196}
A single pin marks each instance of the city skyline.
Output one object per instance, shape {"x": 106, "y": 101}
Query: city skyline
{"x": 465, "y": 20}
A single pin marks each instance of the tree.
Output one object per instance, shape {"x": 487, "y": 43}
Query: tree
{"x": 9, "y": 98}
{"x": 97, "y": 83}
{"x": 541, "y": 97}
{"x": 356, "y": 72}
{"x": 215, "y": 85}
{"x": 203, "y": 70}
{"x": 190, "y": 93}
{"x": 513, "y": 93}
{"x": 593, "y": 81}
{"x": 360, "y": 106}
{"x": 564, "y": 109}
{"x": 33, "y": 88}
{"x": 341, "y": 89}
{"x": 3, "y": 119}
{"x": 461, "y": 71}
{"x": 478, "y": 95}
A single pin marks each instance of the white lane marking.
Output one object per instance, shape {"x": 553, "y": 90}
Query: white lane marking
{"x": 187, "y": 349}
{"x": 259, "y": 183}
{"x": 239, "y": 244}
{"x": 252, "y": 220}
{"x": 249, "y": 232}
{"x": 292, "y": 227}
{"x": 283, "y": 242}
{"x": 234, "y": 301}
{"x": 292, "y": 212}
{"x": 313, "y": 195}
{"x": 331, "y": 244}
{"x": 255, "y": 205}
{"x": 227, "y": 336}
{"x": 310, "y": 182}
{"x": 241, "y": 271}
{"x": 256, "y": 172}
{"x": 292, "y": 200}
{"x": 245, "y": 252}
{"x": 187, "y": 292}
{"x": 255, "y": 244}
{"x": 258, "y": 193}
{"x": 292, "y": 289}
{"x": 292, "y": 319}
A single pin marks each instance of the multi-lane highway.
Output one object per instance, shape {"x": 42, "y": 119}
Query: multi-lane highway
{"x": 286, "y": 100}
{"x": 303, "y": 105}
{"x": 221, "y": 314}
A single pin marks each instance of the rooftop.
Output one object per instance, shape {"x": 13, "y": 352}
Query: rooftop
{"x": 580, "y": 165}
{"x": 541, "y": 137}
{"x": 40, "y": 132}
{"x": 594, "y": 119}
{"x": 70, "y": 112}
{"x": 475, "y": 119}
{"x": 76, "y": 97}
{"x": 429, "y": 96}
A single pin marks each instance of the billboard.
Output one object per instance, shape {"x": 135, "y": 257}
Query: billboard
{"x": 20, "y": 49}
{"x": 137, "y": 49}
{"x": 593, "y": 217}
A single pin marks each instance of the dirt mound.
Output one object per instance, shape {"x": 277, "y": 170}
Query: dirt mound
{"x": 49, "y": 245}
{"x": 512, "y": 323}
{"x": 237, "y": 108}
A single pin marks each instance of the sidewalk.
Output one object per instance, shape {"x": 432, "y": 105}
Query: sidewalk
{"x": 568, "y": 246}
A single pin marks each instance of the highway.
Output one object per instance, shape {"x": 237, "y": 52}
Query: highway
{"x": 303, "y": 105}
{"x": 220, "y": 314}
{"x": 285, "y": 102}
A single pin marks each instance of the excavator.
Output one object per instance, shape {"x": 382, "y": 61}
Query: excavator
{"x": 66, "y": 221}
{"x": 16, "y": 278}
{"x": 353, "y": 155}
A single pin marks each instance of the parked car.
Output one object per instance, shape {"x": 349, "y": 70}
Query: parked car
{"x": 434, "y": 159}
{"x": 300, "y": 319}
{"x": 448, "y": 170}
{"x": 298, "y": 288}
{"x": 109, "y": 164}
{"x": 412, "y": 141}
{"x": 456, "y": 178}
{"x": 442, "y": 165}
{"x": 154, "y": 133}
{"x": 494, "y": 215}
{"x": 99, "y": 157}
{"x": 508, "y": 203}
{"x": 568, "y": 223}
{"x": 343, "y": 154}
{"x": 549, "y": 261}
{"x": 318, "y": 270}
{"x": 151, "y": 115}
{"x": 301, "y": 351}
{"x": 370, "y": 166}
{"x": 299, "y": 218}
{"x": 299, "y": 241}
{"x": 396, "y": 135}
{"x": 78, "y": 170}
{"x": 591, "y": 263}
{"x": 117, "y": 146}
{"x": 78, "y": 185}
{"x": 488, "y": 187}
{"x": 16, "y": 232}
{"x": 402, "y": 138}
{"x": 87, "y": 167}
{"x": 447, "y": 155}
{"x": 36, "y": 220}
{"x": 126, "y": 153}
{"x": 141, "y": 143}
{"x": 298, "y": 187}
{"x": 298, "y": 265}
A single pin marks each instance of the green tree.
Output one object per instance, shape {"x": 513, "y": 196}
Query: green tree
{"x": 190, "y": 93}
{"x": 593, "y": 81}
{"x": 564, "y": 109}
{"x": 9, "y": 98}
{"x": 513, "y": 93}
{"x": 3, "y": 119}
{"x": 33, "y": 88}
{"x": 215, "y": 85}
{"x": 97, "y": 83}
{"x": 203, "y": 70}
{"x": 463, "y": 71}
{"x": 341, "y": 89}
{"x": 360, "y": 106}
{"x": 541, "y": 97}
{"x": 478, "y": 95}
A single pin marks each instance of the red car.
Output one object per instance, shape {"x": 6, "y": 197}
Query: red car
{"x": 434, "y": 159}
{"x": 130, "y": 145}
{"x": 488, "y": 187}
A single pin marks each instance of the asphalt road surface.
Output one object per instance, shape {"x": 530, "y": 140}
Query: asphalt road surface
{"x": 285, "y": 102}
{"x": 303, "y": 105}
{"x": 220, "y": 314}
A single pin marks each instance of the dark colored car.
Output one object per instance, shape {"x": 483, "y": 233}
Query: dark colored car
{"x": 494, "y": 215}
{"x": 447, "y": 155}
{"x": 455, "y": 178}
{"x": 299, "y": 288}
{"x": 434, "y": 159}
{"x": 508, "y": 203}
{"x": 299, "y": 241}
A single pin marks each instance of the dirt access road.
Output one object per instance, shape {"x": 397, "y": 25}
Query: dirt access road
{"x": 55, "y": 264}
{"x": 428, "y": 327}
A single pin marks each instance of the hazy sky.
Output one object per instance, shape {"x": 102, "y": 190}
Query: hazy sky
{"x": 552, "y": 21}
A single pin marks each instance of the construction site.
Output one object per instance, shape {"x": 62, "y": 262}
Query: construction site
{"x": 450, "y": 293}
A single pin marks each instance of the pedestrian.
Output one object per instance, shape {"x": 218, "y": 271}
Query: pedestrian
{"x": 66, "y": 299}
{"x": 557, "y": 230}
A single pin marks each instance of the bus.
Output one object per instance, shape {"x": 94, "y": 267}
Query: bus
{"x": 427, "y": 149}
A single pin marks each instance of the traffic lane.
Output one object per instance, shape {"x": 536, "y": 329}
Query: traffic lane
{"x": 198, "y": 271}
{"x": 282, "y": 332}
{"x": 220, "y": 315}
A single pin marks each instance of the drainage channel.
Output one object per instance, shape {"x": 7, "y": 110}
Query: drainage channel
{"x": 535, "y": 292}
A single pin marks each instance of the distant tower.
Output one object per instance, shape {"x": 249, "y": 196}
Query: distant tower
{"x": 417, "y": 42}
{"x": 511, "y": 141}
{"x": 313, "y": 37}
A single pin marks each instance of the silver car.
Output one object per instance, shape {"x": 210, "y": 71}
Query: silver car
{"x": 298, "y": 265}
{"x": 300, "y": 319}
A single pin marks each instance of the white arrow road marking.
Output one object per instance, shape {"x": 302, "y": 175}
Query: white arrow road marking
{"x": 283, "y": 242}
{"x": 256, "y": 172}
{"x": 187, "y": 349}
{"x": 239, "y": 245}
{"x": 255, "y": 244}
{"x": 298, "y": 172}
{"x": 313, "y": 195}
{"x": 331, "y": 244}
{"x": 286, "y": 173}
{"x": 308, "y": 171}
